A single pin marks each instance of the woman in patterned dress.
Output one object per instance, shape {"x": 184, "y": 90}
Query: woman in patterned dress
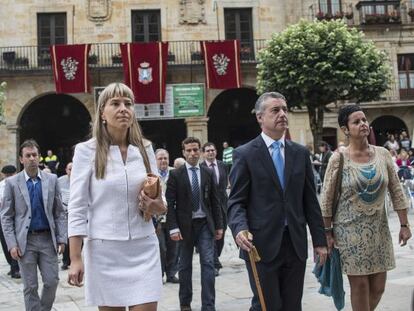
{"x": 359, "y": 229}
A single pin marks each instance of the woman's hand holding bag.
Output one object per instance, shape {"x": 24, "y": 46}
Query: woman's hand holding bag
{"x": 151, "y": 202}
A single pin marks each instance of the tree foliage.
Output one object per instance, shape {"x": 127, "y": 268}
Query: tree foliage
{"x": 317, "y": 63}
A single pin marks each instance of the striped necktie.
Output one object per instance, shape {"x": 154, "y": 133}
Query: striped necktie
{"x": 195, "y": 189}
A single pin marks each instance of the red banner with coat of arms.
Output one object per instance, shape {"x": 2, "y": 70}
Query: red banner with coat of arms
{"x": 145, "y": 70}
{"x": 222, "y": 64}
{"x": 70, "y": 68}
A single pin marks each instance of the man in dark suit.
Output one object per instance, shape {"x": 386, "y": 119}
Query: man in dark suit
{"x": 218, "y": 169}
{"x": 194, "y": 218}
{"x": 272, "y": 199}
{"x": 325, "y": 155}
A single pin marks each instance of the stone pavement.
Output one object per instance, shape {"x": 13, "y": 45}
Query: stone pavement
{"x": 232, "y": 286}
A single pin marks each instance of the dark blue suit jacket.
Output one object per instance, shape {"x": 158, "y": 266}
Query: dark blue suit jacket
{"x": 221, "y": 187}
{"x": 257, "y": 202}
{"x": 178, "y": 196}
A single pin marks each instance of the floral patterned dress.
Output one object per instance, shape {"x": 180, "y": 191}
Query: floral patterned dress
{"x": 360, "y": 224}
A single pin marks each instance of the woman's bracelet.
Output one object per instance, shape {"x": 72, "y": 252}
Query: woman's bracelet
{"x": 328, "y": 229}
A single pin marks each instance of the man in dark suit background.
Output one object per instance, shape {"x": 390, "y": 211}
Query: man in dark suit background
{"x": 218, "y": 169}
{"x": 273, "y": 198}
{"x": 194, "y": 218}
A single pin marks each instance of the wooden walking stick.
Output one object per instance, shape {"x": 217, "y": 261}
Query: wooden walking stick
{"x": 254, "y": 257}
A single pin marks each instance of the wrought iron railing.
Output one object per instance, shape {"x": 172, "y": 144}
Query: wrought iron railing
{"x": 364, "y": 12}
{"x": 379, "y": 12}
{"x": 320, "y": 10}
{"x": 108, "y": 55}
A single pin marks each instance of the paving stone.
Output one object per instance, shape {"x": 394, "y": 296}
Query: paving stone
{"x": 232, "y": 286}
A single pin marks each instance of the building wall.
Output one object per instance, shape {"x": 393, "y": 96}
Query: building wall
{"x": 267, "y": 18}
{"x": 18, "y": 27}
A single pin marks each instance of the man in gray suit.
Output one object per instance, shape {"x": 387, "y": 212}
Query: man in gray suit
{"x": 35, "y": 227}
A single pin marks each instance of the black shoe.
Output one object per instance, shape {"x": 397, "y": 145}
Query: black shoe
{"x": 216, "y": 272}
{"x": 64, "y": 267}
{"x": 219, "y": 265}
{"x": 15, "y": 275}
{"x": 9, "y": 273}
{"x": 185, "y": 308}
{"x": 173, "y": 279}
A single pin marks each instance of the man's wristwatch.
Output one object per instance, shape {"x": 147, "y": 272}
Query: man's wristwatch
{"x": 407, "y": 225}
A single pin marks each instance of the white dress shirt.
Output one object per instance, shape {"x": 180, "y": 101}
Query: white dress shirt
{"x": 269, "y": 141}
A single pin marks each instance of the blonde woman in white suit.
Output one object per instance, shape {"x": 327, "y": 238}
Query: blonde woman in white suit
{"x": 121, "y": 261}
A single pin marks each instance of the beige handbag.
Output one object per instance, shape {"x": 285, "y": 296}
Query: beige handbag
{"x": 152, "y": 186}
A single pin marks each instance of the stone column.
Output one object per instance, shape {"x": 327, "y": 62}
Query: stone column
{"x": 197, "y": 127}
{"x": 10, "y": 143}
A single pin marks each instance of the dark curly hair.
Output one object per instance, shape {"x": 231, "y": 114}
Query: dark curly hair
{"x": 345, "y": 112}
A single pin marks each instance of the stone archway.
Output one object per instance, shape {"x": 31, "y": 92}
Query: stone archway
{"x": 385, "y": 125}
{"x": 231, "y": 118}
{"x": 56, "y": 122}
{"x": 166, "y": 134}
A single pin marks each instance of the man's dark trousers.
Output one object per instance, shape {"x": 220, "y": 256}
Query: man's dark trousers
{"x": 203, "y": 239}
{"x": 169, "y": 252}
{"x": 219, "y": 244}
{"x": 284, "y": 274}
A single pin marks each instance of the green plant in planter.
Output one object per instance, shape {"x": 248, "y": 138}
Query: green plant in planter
{"x": 339, "y": 15}
{"x": 371, "y": 18}
{"x": 196, "y": 55}
{"x": 395, "y": 16}
{"x": 349, "y": 15}
{"x": 117, "y": 59}
{"x": 171, "y": 57}
{"x": 21, "y": 61}
{"x": 44, "y": 59}
{"x": 92, "y": 59}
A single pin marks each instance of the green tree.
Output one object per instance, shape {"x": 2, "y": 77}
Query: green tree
{"x": 2, "y": 100}
{"x": 316, "y": 63}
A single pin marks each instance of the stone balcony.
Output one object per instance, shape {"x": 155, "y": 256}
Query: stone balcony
{"x": 108, "y": 55}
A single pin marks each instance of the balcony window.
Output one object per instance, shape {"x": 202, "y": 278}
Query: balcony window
{"x": 406, "y": 75}
{"x": 330, "y": 6}
{"x": 238, "y": 25}
{"x": 146, "y": 26}
{"x": 379, "y": 12}
{"x": 51, "y": 29}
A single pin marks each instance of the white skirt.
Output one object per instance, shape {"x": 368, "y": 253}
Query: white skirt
{"x": 122, "y": 273}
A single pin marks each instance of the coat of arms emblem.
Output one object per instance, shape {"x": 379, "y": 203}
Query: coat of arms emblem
{"x": 220, "y": 63}
{"x": 145, "y": 73}
{"x": 69, "y": 67}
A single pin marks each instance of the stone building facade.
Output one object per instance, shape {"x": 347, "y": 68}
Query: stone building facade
{"x": 33, "y": 109}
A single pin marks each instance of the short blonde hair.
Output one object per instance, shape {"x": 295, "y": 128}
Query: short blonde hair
{"x": 103, "y": 138}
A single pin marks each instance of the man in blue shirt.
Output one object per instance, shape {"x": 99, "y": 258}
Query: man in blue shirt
{"x": 34, "y": 226}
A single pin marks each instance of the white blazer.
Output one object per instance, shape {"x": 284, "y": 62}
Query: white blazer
{"x": 108, "y": 208}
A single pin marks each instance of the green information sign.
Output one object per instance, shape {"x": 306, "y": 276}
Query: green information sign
{"x": 188, "y": 100}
